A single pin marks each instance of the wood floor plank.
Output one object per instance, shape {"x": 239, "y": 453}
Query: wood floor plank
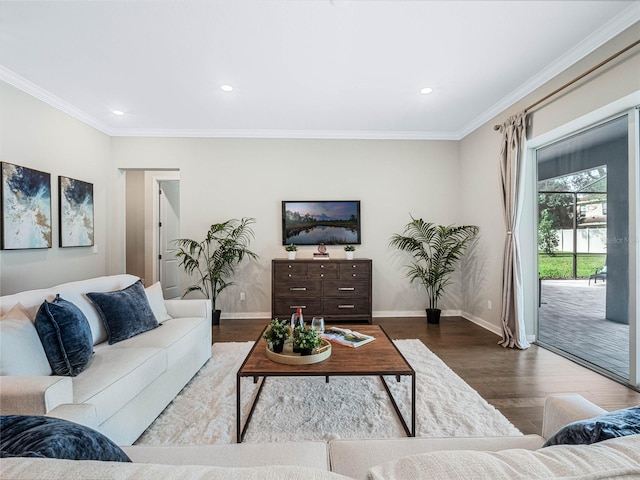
{"x": 516, "y": 382}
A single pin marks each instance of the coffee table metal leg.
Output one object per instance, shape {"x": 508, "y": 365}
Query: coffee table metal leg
{"x": 411, "y": 432}
{"x": 240, "y": 430}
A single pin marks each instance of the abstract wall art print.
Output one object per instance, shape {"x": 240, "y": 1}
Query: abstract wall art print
{"x": 26, "y": 207}
{"x": 76, "y": 212}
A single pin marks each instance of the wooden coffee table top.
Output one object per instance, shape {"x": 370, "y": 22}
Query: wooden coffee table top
{"x": 380, "y": 357}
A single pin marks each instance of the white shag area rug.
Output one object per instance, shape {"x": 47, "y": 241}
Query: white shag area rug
{"x": 307, "y": 408}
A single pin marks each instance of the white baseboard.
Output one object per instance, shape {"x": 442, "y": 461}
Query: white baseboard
{"x": 482, "y": 323}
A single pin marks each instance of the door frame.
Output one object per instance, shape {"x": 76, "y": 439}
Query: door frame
{"x": 626, "y": 105}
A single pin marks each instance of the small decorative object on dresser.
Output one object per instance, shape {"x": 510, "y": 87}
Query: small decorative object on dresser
{"x": 276, "y": 334}
{"x": 291, "y": 250}
{"x": 349, "y": 251}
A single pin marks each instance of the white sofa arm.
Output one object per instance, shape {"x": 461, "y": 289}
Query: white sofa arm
{"x": 82, "y": 413}
{"x": 34, "y": 395}
{"x": 562, "y": 409}
{"x": 198, "y": 308}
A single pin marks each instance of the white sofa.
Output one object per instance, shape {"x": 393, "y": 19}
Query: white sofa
{"x": 126, "y": 385}
{"x": 402, "y": 459}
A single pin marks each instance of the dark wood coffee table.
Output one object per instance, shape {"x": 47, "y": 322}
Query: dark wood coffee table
{"x": 380, "y": 357}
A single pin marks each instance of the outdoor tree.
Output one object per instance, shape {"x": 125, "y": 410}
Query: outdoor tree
{"x": 547, "y": 234}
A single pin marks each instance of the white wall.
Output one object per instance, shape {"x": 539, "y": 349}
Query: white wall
{"x": 232, "y": 178}
{"x": 35, "y": 135}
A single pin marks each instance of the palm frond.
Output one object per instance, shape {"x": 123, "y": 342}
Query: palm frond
{"x": 435, "y": 250}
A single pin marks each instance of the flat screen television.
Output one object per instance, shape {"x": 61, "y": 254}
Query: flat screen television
{"x": 328, "y": 222}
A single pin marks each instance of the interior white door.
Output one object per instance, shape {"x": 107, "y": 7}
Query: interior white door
{"x": 168, "y": 231}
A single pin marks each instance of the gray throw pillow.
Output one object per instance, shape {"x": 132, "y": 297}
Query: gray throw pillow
{"x": 125, "y": 313}
{"x": 48, "y": 437}
{"x": 65, "y": 335}
{"x": 619, "y": 423}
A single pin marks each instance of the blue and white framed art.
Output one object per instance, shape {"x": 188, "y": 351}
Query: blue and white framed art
{"x": 26, "y": 207}
{"x": 76, "y": 212}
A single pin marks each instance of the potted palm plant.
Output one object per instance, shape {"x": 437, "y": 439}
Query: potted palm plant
{"x": 213, "y": 261}
{"x": 435, "y": 250}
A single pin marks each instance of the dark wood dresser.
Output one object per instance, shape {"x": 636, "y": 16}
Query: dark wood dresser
{"x": 338, "y": 290}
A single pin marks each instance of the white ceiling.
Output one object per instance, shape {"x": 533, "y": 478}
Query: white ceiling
{"x": 299, "y": 68}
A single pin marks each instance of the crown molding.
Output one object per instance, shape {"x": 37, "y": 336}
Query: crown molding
{"x": 286, "y": 134}
{"x": 47, "y": 97}
{"x": 617, "y": 25}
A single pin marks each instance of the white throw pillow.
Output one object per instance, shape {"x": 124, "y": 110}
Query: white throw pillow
{"x": 21, "y": 352}
{"x": 156, "y": 301}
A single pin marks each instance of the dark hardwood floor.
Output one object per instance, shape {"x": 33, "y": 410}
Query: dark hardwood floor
{"x": 516, "y": 382}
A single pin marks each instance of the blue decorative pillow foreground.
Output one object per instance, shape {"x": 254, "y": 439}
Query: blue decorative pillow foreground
{"x": 38, "y": 436}
{"x": 65, "y": 335}
{"x": 608, "y": 425}
{"x": 125, "y": 313}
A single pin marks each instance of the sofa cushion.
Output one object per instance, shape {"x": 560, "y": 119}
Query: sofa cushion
{"x": 116, "y": 376}
{"x": 38, "y": 436}
{"x": 619, "y": 423}
{"x": 615, "y": 458}
{"x": 65, "y": 335}
{"x": 176, "y": 336}
{"x": 156, "y": 302}
{"x": 125, "y": 313}
{"x": 36, "y": 468}
{"x": 21, "y": 352}
{"x": 74, "y": 292}
{"x": 354, "y": 457}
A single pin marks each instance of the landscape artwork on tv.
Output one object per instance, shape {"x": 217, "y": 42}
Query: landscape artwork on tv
{"x": 76, "y": 212}
{"x": 26, "y": 207}
{"x": 328, "y": 222}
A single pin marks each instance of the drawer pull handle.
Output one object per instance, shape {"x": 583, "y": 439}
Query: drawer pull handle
{"x": 346, "y": 306}
{"x": 346, "y": 289}
{"x": 354, "y": 274}
{"x": 295, "y": 307}
{"x": 321, "y": 275}
{"x": 290, "y": 275}
{"x": 297, "y": 289}
{"x": 321, "y": 266}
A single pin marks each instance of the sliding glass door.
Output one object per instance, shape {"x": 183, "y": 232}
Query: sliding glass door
{"x": 584, "y": 249}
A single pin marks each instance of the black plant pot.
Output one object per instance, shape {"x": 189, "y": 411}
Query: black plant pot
{"x": 306, "y": 351}
{"x": 215, "y": 317}
{"x": 277, "y": 347}
{"x": 433, "y": 315}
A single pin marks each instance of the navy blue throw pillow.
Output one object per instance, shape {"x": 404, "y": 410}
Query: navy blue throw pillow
{"x": 65, "y": 335}
{"x": 125, "y": 313}
{"x": 48, "y": 437}
{"x": 608, "y": 425}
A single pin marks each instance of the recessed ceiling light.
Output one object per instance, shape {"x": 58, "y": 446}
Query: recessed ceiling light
{"x": 226, "y": 88}
{"x": 426, "y": 90}
{"x": 118, "y": 112}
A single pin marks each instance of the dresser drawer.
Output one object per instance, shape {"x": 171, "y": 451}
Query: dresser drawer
{"x": 283, "y": 271}
{"x": 346, "y": 288}
{"x": 345, "y": 306}
{"x": 322, "y": 270}
{"x": 355, "y": 269}
{"x": 303, "y": 287}
{"x": 284, "y": 307}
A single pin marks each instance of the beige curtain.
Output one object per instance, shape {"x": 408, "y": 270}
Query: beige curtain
{"x": 511, "y": 166}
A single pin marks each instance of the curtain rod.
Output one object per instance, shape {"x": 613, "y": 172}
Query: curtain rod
{"x": 578, "y": 78}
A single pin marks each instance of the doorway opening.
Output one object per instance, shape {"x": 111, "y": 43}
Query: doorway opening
{"x": 152, "y": 224}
